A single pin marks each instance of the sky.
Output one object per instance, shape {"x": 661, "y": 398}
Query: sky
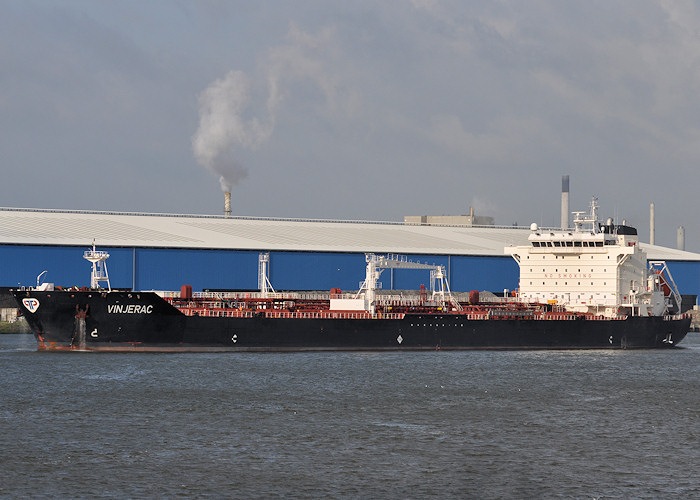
{"x": 359, "y": 110}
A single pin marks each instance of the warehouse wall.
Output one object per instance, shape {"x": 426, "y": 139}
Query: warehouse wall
{"x": 168, "y": 269}
{"x": 21, "y": 264}
{"x": 686, "y": 275}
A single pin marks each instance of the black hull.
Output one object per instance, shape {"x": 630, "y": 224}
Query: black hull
{"x": 131, "y": 321}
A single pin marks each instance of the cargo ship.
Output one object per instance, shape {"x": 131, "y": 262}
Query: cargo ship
{"x": 590, "y": 287}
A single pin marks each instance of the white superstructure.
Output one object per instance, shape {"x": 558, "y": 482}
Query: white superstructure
{"x": 593, "y": 268}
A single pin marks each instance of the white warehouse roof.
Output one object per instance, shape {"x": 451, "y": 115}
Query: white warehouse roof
{"x": 79, "y": 228}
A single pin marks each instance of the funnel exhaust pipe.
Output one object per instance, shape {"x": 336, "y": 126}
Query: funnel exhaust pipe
{"x": 565, "y": 202}
{"x": 227, "y": 204}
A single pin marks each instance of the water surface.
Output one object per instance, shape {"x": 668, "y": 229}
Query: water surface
{"x": 511, "y": 424}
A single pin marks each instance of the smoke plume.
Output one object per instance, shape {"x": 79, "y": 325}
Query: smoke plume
{"x": 225, "y": 124}
{"x": 224, "y": 129}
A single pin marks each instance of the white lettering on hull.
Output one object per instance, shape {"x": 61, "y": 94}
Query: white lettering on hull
{"x": 129, "y": 309}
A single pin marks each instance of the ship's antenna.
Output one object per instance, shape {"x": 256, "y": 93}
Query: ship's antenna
{"x": 99, "y": 267}
{"x": 591, "y": 219}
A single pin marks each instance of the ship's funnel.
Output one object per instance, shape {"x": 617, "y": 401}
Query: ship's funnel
{"x": 227, "y": 204}
{"x": 680, "y": 240}
{"x": 565, "y": 202}
{"x": 652, "y": 224}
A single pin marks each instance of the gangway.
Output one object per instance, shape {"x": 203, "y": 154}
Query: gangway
{"x": 376, "y": 265}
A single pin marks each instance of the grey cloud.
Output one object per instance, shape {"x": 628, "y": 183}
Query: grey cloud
{"x": 482, "y": 102}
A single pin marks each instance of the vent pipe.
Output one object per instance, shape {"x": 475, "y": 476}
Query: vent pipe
{"x": 652, "y": 224}
{"x": 681, "y": 238}
{"x": 227, "y": 204}
{"x": 565, "y": 202}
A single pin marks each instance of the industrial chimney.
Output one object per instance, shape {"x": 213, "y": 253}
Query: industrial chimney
{"x": 565, "y": 202}
{"x": 227, "y": 204}
{"x": 652, "y": 224}
{"x": 681, "y": 238}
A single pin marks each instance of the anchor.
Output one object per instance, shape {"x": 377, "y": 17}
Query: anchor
{"x": 79, "y": 330}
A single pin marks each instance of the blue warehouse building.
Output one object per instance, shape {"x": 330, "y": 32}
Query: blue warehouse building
{"x": 163, "y": 252}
